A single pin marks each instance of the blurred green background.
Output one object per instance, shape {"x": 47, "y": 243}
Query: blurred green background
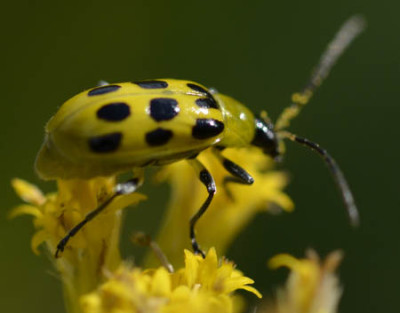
{"x": 257, "y": 51}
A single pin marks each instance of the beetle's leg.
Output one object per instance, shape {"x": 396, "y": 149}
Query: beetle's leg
{"x": 239, "y": 175}
{"x": 206, "y": 178}
{"x": 128, "y": 187}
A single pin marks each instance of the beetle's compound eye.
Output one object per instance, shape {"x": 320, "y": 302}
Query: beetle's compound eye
{"x": 265, "y": 138}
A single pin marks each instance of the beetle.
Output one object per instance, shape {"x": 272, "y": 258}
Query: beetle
{"x": 114, "y": 128}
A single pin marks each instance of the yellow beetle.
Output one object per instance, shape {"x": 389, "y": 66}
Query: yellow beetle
{"x": 118, "y": 127}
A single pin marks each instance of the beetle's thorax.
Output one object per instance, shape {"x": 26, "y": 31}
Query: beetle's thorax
{"x": 238, "y": 120}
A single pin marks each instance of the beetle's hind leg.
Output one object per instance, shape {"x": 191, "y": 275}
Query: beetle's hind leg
{"x": 207, "y": 180}
{"x": 124, "y": 188}
{"x": 239, "y": 175}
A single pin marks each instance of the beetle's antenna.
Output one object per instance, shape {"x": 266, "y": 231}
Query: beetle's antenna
{"x": 337, "y": 174}
{"x": 346, "y": 34}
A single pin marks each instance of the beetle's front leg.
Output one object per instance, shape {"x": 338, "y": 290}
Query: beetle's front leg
{"x": 124, "y": 188}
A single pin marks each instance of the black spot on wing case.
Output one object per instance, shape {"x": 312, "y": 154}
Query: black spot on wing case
{"x": 207, "y": 128}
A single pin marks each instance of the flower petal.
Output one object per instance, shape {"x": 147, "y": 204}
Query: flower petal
{"x": 38, "y": 238}
{"x": 161, "y": 283}
{"x": 252, "y": 290}
{"x": 124, "y": 201}
{"x": 25, "y": 209}
{"x": 28, "y": 192}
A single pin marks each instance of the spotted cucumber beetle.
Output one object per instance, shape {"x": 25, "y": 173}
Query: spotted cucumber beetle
{"x": 118, "y": 127}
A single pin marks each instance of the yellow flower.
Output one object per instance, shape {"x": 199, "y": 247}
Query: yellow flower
{"x": 312, "y": 286}
{"x": 232, "y": 208}
{"x": 93, "y": 248}
{"x": 203, "y": 285}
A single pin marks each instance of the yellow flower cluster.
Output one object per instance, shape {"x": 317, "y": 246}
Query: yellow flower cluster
{"x": 96, "y": 280}
{"x": 312, "y": 286}
{"x": 203, "y": 285}
{"x": 92, "y": 249}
